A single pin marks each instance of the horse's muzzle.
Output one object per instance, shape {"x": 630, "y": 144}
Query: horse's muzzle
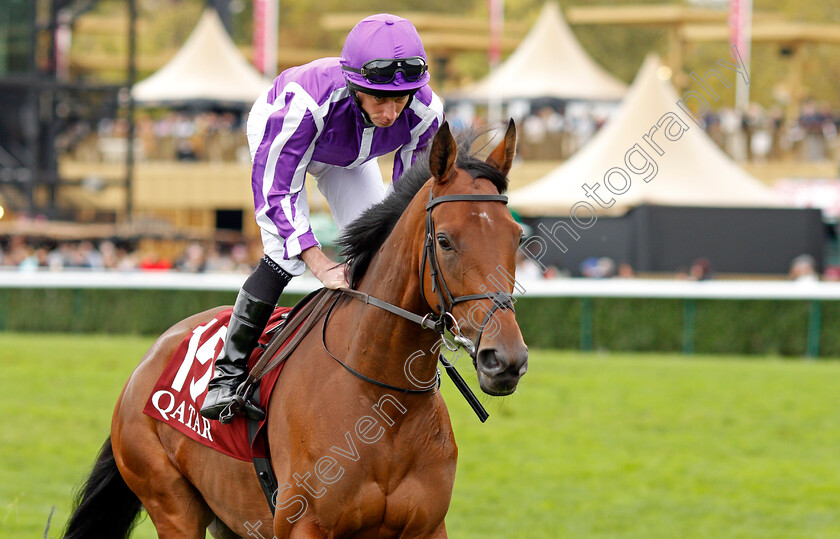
{"x": 499, "y": 369}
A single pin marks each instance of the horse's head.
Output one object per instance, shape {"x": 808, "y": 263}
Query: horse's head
{"x": 469, "y": 259}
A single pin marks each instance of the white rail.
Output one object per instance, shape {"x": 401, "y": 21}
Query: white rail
{"x": 164, "y": 280}
{"x": 582, "y": 288}
{"x": 658, "y": 288}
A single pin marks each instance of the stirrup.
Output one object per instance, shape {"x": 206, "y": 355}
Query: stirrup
{"x": 241, "y": 404}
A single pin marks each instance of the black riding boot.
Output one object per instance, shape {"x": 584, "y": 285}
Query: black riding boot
{"x": 248, "y": 321}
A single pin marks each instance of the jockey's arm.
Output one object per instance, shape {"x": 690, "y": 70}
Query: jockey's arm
{"x": 332, "y": 275}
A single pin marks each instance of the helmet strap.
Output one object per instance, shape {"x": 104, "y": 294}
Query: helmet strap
{"x": 358, "y": 102}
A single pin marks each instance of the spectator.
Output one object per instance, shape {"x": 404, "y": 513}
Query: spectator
{"x": 526, "y": 268}
{"x": 625, "y": 271}
{"x": 150, "y": 261}
{"x": 701, "y": 270}
{"x": 193, "y": 259}
{"x": 803, "y": 268}
{"x": 598, "y": 268}
{"x": 832, "y": 273}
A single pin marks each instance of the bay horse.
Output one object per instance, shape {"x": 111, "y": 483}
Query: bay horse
{"x": 429, "y": 248}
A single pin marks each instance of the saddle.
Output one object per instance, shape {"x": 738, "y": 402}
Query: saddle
{"x": 180, "y": 390}
{"x": 285, "y": 336}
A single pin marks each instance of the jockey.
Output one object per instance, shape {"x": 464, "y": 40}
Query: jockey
{"x": 331, "y": 118}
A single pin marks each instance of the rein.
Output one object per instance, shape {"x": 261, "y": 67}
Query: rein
{"x": 433, "y": 387}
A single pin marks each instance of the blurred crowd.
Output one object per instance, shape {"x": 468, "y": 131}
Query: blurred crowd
{"x": 550, "y": 132}
{"x": 22, "y": 254}
{"x": 26, "y": 254}
{"x": 757, "y": 135}
{"x": 803, "y": 268}
{"x": 761, "y": 135}
{"x": 174, "y": 136}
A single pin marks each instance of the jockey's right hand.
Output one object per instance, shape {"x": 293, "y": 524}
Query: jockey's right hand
{"x": 332, "y": 275}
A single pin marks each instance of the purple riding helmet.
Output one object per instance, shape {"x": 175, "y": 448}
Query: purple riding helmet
{"x": 383, "y": 55}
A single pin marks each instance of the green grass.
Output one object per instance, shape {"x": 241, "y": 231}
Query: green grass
{"x": 590, "y": 446}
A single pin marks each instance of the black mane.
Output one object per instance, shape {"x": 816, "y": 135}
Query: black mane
{"x": 363, "y": 237}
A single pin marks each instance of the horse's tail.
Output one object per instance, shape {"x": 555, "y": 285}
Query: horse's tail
{"x": 104, "y": 506}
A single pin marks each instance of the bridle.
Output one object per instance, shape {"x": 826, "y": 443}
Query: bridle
{"x": 446, "y": 302}
{"x": 441, "y": 317}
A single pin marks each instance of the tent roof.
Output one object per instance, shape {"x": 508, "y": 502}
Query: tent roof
{"x": 548, "y": 63}
{"x": 208, "y": 67}
{"x": 692, "y": 172}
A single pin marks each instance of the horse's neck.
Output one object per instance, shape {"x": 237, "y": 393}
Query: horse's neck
{"x": 393, "y": 276}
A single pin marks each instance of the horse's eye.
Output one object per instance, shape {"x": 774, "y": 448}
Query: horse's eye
{"x": 444, "y": 243}
{"x": 521, "y": 239}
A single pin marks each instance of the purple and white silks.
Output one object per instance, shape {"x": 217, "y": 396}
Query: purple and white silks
{"x": 308, "y": 117}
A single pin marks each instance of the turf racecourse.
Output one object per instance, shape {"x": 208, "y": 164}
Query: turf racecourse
{"x": 590, "y": 446}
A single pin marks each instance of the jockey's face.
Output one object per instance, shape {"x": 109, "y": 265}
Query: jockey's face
{"x": 382, "y": 111}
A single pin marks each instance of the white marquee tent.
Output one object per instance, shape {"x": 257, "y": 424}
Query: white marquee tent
{"x": 208, "y": 68}
{"x": 692, "y": 170}
{"x": 549, "y": 63}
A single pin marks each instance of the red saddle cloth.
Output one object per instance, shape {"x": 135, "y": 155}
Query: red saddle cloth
{"x": 182, "y": 387}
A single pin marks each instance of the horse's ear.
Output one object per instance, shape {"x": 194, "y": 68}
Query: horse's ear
{"x": 502, "y": 156}
{"x": 442, "y": 155}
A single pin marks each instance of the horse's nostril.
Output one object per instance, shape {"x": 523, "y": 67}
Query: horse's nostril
{"x": 488, "y": 361}
{"x": 523, "y": 361}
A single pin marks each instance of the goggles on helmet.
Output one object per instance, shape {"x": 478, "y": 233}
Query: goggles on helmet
{"x": 384, "y": 71}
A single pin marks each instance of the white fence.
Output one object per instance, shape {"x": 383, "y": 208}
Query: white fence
{"x": 582, "y": 288}
{"x": 585, "y": 289}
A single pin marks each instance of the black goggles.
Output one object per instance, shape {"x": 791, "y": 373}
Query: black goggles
{"x": 385, "y": 70}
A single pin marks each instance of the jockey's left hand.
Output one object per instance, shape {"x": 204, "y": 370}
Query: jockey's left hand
{"x": 332, "y": 275}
